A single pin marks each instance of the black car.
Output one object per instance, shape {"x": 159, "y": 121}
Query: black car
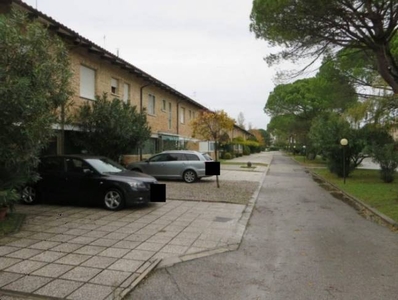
{"x": 88, "y": 179}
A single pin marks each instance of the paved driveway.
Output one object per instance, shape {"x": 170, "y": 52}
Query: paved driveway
{"x": 91, "y": 253}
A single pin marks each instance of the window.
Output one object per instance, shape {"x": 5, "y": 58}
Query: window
{"x": 114, "y": 86}
{"x": 182, "y": 115}
{"x": 51, "y": 164}
{"x": 169, "y": 115}
{"x": 164, "y": 105}
{"x": 74, "y": 165}
{"x": 150, "y": 146}
{"x": 207, "y": 156}
{"x": 176, "y": 156}
{"x": 126, "y": 92}
{"x": 160, "y": 157}
{"x": 193, "y": 115}
{"x": 151, "y": 104}
{"x": 190, "y": 114}
{"x": 192, "y": 156}
{"x": 211, "y": 146}
{"x": 87, "y": 83}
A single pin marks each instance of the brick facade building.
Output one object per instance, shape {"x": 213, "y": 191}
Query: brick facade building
{"x": 97, "y": 71}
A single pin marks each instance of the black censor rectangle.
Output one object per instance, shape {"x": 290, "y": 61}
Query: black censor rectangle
{"x": 212, "y": 168}
{"x": 158, "y": 193}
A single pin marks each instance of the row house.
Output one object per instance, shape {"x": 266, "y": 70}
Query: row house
{"x": 208, "y": 146}
{"x": 97, "y": 71}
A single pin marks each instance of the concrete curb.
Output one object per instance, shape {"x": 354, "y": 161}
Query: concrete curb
{"x": 360, "y": 205}
{"x": 170, "y": 261}
{"x": 145, "y": 273}
{"x": 242, "y": 223}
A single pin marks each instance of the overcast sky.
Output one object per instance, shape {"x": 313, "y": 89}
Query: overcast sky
{"x": 202, "y": 48}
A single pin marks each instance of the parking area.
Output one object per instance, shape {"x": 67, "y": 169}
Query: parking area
{"x": 91, "y": 253}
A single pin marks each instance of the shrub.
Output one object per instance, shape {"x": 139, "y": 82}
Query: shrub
{"x": 246, "y": 150}
{"x": 387, "y": 157}
{"x": 227, "y": 155}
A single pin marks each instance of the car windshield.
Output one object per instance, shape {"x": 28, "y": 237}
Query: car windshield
{"x": 105, "y": 165}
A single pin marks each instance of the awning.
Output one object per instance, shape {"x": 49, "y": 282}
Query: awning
{"x": 168, "y": 136}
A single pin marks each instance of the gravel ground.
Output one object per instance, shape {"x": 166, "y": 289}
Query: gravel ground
{"x": 238, "y": 192}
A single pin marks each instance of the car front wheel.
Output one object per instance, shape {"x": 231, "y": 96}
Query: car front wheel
{"x": 113, "y": 199}
{"x": 189, "y": 176}
{"x": 29, "y": 195}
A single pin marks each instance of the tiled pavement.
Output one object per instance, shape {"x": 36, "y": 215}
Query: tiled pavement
{"x": 90, "y": 253}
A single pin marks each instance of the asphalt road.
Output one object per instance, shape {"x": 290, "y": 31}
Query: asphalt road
{"x": 301, "y": 243}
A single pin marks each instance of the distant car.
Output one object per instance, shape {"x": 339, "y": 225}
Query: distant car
{"x": 88, "y": 179}
{"x": 178, "y": 164}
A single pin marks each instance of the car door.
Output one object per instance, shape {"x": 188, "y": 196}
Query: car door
{"x": 52, "y": 184}
{"x": 81, "y": 181}
{"x": 175, "y": 165}
{"x": 155, "y": 166}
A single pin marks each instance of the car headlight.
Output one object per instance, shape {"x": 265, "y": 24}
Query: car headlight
{"x": 137, "y": 184}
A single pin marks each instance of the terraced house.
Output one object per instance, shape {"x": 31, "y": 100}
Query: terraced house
{"x": 97, "y": 71}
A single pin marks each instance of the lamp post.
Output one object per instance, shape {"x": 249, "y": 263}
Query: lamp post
{"x": 305, "y": 152}
{"x": 344, "y": 143}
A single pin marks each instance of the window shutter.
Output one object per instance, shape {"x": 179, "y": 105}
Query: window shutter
{"x": 87, "y": 82}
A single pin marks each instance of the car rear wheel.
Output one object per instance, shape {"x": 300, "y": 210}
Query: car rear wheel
{"x": 113, "y": 199}
{"x": 189, "y": 176}
{"x": 29, "y": 195}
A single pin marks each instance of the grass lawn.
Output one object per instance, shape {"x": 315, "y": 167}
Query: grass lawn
{"x": 367, "y": 186}
{"x": 317, "y": 162}
{"x": 11, "y": 223}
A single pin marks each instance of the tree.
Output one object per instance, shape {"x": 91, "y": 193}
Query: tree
{"x": 312, "y": 28}
{"x": 212, "y": 126}
{"x": 241, "y": 120}
{"x": 34, "y": 84}
{"x": 111, "y": 128}
{"x": 306, "y": 98}
{"x": 258, "y": 137}
{"x": 293, "y": 106}
{"x": 282, "y": 128}
{"x": 326, "y": 132}
{"x": 359, "y": 66}
{"x": 266, "y": 137}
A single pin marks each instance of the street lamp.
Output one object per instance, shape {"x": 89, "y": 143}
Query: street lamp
{"x": 305, "y": 152}
{"x": 344, "y": 143}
